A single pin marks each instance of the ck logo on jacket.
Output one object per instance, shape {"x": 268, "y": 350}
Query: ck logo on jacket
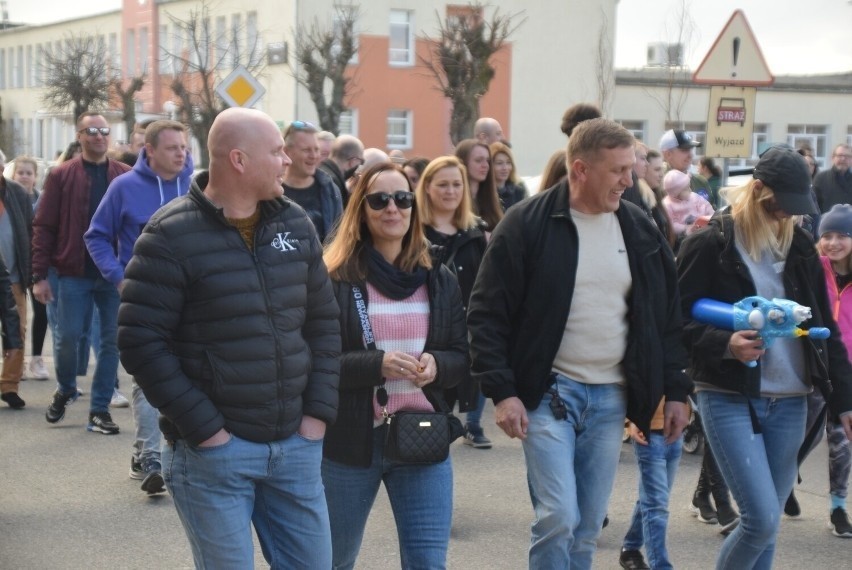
{"x": 284, "y": 243}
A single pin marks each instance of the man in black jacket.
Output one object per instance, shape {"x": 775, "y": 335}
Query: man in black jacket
{"x": 229, "y": 325}
{"x": 575, "y": 323}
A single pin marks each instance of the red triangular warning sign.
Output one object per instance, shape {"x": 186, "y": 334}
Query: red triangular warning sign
{"x": 734, "y": 58}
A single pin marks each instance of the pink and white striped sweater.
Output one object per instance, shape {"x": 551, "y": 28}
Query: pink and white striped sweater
{"x": 400, "y": 326}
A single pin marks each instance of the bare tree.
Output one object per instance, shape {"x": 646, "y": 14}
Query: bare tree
{"x": 128, "y": 99}
{"x": 681, "y": 32}
{"x": 202, "y": 61}
{"x": 459, "y": 60}
{"x": 77, "y": 75}
{"x": 322, "y": 54}
{"x": 604, "y": 64}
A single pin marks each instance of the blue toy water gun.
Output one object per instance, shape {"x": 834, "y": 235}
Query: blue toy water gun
{"x": 778, "y": 318}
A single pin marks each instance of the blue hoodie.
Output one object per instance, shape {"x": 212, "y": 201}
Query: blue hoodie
{"x": 129, "y": 203}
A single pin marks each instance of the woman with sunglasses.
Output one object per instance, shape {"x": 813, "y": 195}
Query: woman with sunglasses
{"x": 476, "y": 157}
{"x": 415, "y": 312}
{"x": 444, "y": 205}
{"x": 753, "y": 401}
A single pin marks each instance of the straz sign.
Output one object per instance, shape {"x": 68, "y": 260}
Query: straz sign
{"x": 731, "y": 110}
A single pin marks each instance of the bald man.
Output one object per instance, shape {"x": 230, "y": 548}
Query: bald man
{"x": 488, "y": 130}
{"x": 229, "y": 325}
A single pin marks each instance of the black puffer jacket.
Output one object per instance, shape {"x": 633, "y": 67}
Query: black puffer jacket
{"x": 710, "y": 266}
{"x": 350, "y": 440}
{"x": 19, "y": 207}
{"x": 220, "y": 336}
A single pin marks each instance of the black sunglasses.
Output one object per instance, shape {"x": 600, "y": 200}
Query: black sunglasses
{"x": 380, "y": 200}
{"x": 92, "y": 131}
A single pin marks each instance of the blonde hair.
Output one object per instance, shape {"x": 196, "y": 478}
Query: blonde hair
{"x": 463, "y": 217}
{"x": 757, "y": 230}
{"x": 343, "y": 255}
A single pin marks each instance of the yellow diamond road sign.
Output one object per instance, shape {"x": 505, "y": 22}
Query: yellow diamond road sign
{"x": 240, "y": 88}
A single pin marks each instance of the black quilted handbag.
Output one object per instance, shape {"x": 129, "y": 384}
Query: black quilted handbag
{"x": 417, "y": 438}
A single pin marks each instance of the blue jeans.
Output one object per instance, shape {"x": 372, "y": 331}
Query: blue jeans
{"x": 474, "y": 417}
{"x": 148, "y": 442}
{"x": 571, "y": 467}
{"x": 657, "y": 468}
{"x": 760, "y": 468}
{"x": 421, "y": 497}
{"x": 76, "y": 299}
{"x": 276, "y": 486}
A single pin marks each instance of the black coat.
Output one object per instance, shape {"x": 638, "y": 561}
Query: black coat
{"x": 710, "y": 266}
{"x": 523, "y": 294}
{"x": 9, "y": 318}
{"x": 350, "y": 439}
{"x": 19, "y": 208}
{"x": 220, "y": 336}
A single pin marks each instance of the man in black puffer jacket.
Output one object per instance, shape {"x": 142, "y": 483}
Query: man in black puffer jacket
{"x": 229, "y": 325}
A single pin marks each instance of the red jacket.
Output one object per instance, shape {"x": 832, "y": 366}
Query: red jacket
{"x": 62, "y": 217}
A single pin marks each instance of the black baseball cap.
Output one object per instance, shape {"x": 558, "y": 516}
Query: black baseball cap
{"x": 786, "y": 173}
{"x": 677, "y": 139}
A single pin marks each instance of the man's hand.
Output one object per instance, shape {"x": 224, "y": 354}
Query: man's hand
{"x": 846, "y": 422}
{"x": 312, "y": 428}
{"x": 511, "y": 416}
{"x": 42, "y": 292}
{"x": 675, "y": 418}
{"x": 636, "y": 434}
{"x": 221, "y": 437}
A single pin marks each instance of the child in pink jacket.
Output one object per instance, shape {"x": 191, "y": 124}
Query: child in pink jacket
{"x": 688, "y": 210}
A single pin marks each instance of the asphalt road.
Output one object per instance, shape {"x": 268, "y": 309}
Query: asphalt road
{"x": 66, "y": 502}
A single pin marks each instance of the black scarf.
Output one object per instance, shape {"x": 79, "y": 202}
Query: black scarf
{"x": 391, "y": 281}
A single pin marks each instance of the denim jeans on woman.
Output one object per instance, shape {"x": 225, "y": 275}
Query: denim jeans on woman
{"x": 571, "y": 467}
{"x": 421, "y": 498}
{"x": 658, "y": 463}
{"x": 760, "y": 469}
{"x": 276, "y": 486}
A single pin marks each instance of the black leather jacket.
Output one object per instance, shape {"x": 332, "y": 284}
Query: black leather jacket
{"x": 350, "y": 439}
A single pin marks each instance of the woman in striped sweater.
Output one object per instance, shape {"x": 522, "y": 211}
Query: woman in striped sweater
{"x": 379, "y": 254}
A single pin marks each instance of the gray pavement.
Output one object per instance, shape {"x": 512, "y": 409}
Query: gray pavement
{"x": 66, "y": 502}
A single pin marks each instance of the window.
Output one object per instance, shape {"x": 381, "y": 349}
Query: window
{"x": 38, "y": 65}
{"x": 759, "y": 140}
{"x": 221, "y": 42}
{"x": 2, "y": 68}
{"x": 813, "y": 136}
{"x": 399, "y": 129}
{"x": 164, "y": 61}
{"x": 849, "y": 135}
{"x": 115, "y": 56}
{"x": 347, "y": 124}
{"x": 637, "y": 128}
{"x": 32, "y": 67}
{"x": 401, "y": 38}
{"x": 131, "y": 53}
{"x": 19, "y": 67}
{"x": 143, "y": 49}
{"x": 177, "y": 50}
{"x": 253, "y": 43}
{"x": 236, "y": 50}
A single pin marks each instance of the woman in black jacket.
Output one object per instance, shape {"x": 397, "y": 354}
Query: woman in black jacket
{"x": 415, "y": 313}
{"x": 754, "y": 415}
{"x": 444, "y": 206}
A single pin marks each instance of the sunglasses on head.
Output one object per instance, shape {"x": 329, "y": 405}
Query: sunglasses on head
{"x": 380, "y": 200}
{"x": 92, "y": 131}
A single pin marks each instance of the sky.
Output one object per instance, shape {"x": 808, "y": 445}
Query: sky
{"x": 814, "y": 35}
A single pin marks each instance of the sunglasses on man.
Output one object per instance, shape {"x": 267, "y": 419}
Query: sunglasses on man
{"x": 300, "y": 126}
{"x": 92, "y": 131}
{"x": 380, "y": 200}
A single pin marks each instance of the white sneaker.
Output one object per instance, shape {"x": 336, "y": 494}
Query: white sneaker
{"x": 36, "y": 369}
{"x": 118, "y": 400}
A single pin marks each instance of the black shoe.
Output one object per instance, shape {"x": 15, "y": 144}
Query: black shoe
{"x": 633, "y": 560}
{"x": 728, "y": 518}
{"x": 475, "y": 438}
{"x": 56, "y": 409}
{"x": 840, "y": 525}
{"x": 136, "y": 471}
{"x": 153, "y": 482}
{"x": 15, "y": 402}
{"x": 703, "y": 509}
{"x": 605, "y": 523}
{"x": 101, "y": 422}
{"x": 791, "y": 507}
